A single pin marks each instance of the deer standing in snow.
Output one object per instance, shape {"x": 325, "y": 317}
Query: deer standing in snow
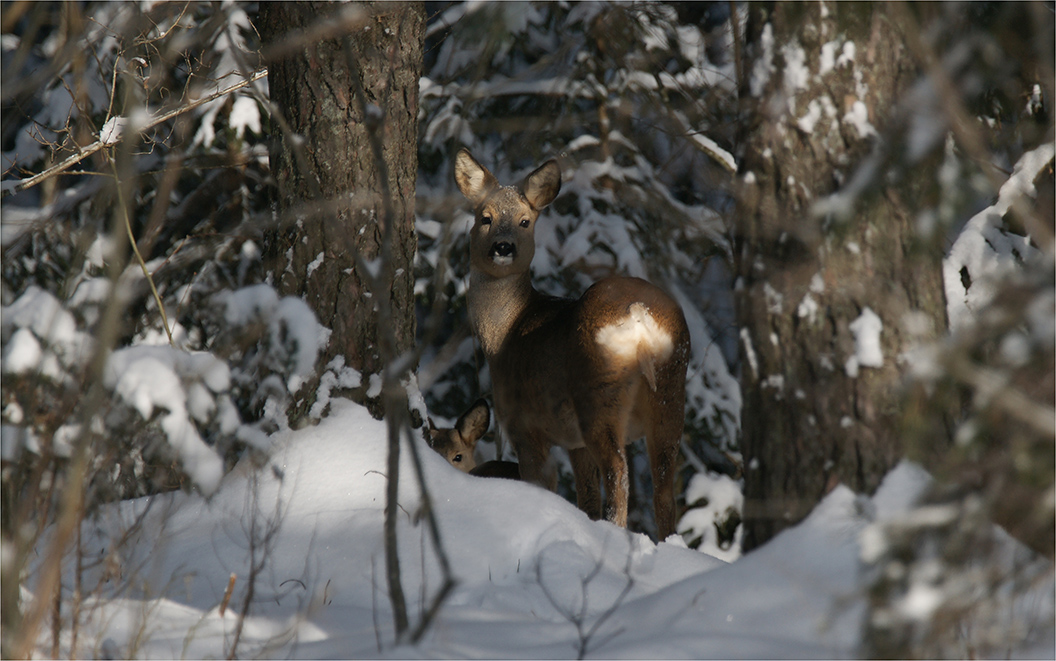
{"x": 590, "y": 375}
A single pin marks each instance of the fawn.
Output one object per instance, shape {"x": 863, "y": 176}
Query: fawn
{"x": 457, "y": 445}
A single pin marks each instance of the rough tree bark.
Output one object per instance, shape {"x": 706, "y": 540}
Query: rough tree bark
{"x": 813, "y": 416}
{"x": 334, "y": 193}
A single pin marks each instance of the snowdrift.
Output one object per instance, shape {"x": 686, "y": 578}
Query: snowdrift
{"x": 535, "y": 577}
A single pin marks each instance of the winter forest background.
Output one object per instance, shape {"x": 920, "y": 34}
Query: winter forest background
{"x": 221, "y": 221}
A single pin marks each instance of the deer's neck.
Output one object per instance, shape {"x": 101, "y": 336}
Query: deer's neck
{"x": 495, "y": 305}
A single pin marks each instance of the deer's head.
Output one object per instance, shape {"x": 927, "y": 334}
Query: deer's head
{"x": 457, "y": 445}
{"x": 502, "y": 241}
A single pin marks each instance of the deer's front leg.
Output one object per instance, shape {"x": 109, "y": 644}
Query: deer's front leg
{"x": 588, "y": 487}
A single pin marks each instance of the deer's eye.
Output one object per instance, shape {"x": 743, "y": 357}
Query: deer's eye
{"x": 525, "y": 222}
{"x": 485, "y": 220}
{"x": 457, "y": 459}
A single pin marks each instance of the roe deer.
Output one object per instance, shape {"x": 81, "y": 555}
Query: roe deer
{"x": 590, "y": 375}
{"x": 459, "y": 444}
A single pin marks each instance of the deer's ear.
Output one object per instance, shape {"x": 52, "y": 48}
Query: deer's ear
{"x": 474, "y": 422}
{"x": 472, "y": 178}
{"x": 543, "y": 185}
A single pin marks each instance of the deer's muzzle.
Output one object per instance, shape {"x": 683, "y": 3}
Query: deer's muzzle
{"x": 502, "y": 252}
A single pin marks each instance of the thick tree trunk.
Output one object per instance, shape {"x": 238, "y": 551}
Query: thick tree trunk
{"x": 335, "y": 193}
{"x": 819, "y": 410}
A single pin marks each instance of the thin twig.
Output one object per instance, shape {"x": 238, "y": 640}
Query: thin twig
{"x": 434, "y": 533}
{"x": 374, "y": 601}
{"x": 135, "y": 250}
{"x": 395, "y": 405}
{"x": 99, "y": 144}
{"x": 227, "y": 593}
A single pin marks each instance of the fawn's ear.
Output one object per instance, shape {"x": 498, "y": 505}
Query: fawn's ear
{"x": 543, "y": 185}
{"x": 472, "y": 178}
{"x": 474, "y": 422}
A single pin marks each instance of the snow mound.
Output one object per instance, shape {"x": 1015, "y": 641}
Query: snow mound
{"x": 534, "y": 577}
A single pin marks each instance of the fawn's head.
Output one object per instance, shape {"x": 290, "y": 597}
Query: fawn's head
{"x": 502, "y": 241}
{"x": 458, "y": 444}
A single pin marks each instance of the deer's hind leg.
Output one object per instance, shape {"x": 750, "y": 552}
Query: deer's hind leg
{"x": 533, "y": 457}
{"x": 663, "y": 437}
{"x": 603, "y": 414}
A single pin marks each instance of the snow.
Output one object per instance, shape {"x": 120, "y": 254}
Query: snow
{"x": 807, "y": 122}
{"x": 764, "y": 64}
{"x": 534, "y": 577}
{"x": 721, "y": 493}
{"x": 847, "y": 56}
{"x": 22, "y": 353}
{"x": 808, "y": 309}
{"x": 43, "y": 336}
{"x": 775, "y": 300}
{"x": 827, "y": 62}
{"x": 710, "y": 147}
{"x": 336, "y": 375}
{"x": 296, "y": 336}
{"x": 867, "y": 349}
{"x": 749, "y": 352}
{"x": 797, "y": 75}
{"x": 817, "y": 284}
{"x": 112, "y": 130}
{"x": 533, "y": 574}
{"x": 984, "y": 254}
{"x": 176, "y": 383}
{"x": 39, "y": 311}
{"x": 858, "y": 117}
{"x": 314, "y": 264}
{"x": 245, "y": 115}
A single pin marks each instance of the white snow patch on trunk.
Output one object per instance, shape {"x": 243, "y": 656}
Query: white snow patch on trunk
{"x": 867, "y": 349}
{"x": 858, "y": 117}
{"x": 764, "y": 66}
{"x": 749, "y": 352}
{"x": 314, "y": 264}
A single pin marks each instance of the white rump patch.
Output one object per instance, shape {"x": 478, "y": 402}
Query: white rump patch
{"x": 636, "y": 334}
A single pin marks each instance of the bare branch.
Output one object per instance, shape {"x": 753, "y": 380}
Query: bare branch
{"x": 135, "y": 249}
{"x": 84, "y": 153}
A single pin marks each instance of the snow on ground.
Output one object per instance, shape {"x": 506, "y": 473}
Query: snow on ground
{"x": 535, "y": 577}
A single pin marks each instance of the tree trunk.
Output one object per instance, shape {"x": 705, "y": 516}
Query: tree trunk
{"x": 340, "y": 201}
{"x": 820, "y": 409}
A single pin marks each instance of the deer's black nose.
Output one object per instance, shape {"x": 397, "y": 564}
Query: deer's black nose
{"x": 503, "y": 249}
